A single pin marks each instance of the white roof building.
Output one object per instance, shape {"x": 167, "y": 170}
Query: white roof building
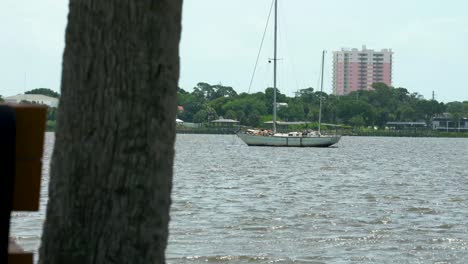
{"x": 33, "y": 98}
{"x": 281, "y": 105}
{"x": 224, "y": 122}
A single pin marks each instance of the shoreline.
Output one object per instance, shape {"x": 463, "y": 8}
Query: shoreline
{"x": 376, "y": 133}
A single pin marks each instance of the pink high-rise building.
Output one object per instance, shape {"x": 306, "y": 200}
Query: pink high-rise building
{"x": 358, "y": 69}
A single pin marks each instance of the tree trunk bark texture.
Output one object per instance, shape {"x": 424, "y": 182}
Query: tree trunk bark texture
{"x": 111, "y": 170}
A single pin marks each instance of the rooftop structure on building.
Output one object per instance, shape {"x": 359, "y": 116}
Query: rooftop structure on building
{"x": 355, "y": 69}
{"x": 224, "y": 122}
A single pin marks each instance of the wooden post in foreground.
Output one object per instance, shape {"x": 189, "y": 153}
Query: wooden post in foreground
{"x": 21, "y": 146}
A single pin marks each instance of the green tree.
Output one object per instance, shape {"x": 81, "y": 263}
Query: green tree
{"x": 246, "y": 105}
{"x": 186, "y": 98}
{"x": 223, "y": 91}
{"x": 329, "y": 109}
{"x": 427, "y": 109}
{"x": 280, "y": 98}
{"x": 405, "y": 113}
{"x": 209, "y": 92}
{"x": 375, "y": 107}
{"x": 457, "y": 112}
{"x": 218, "y": 103}
{"x": 205, "y": 114}
{"x": 44, "y": 91}
{"x": 293, "y": 112}
{"x": 253, "y": 118}
{"x": 240, "y": 116}
{"x": 383, "y": 97}
{"x": 210, "y": 113}
{"x": 307, "y": 95}
{"x": 357, "y": 121}
{"x": 401, "y": 94}
{"x": 349, "y": 108}
{"x": 190, "y": 109}
{"x": 230, "y": 115}
{"x": 182, "y": 91}
{"x": 312, "y": 113}
{"x": 201, "y": 116}
{"x": 51, "y": 113}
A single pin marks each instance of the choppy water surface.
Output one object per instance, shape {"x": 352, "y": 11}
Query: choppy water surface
{"x": 369, "y": 200}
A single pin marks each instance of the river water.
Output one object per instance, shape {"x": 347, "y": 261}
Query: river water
{"x": 368, "y": 200}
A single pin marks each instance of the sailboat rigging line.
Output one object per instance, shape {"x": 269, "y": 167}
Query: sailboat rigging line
{"x": 321, "y": 91}
{"x": 261, "y": 45}
{"x": 275, "y": 57}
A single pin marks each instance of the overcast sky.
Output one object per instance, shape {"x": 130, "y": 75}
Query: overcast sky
{"x": 221, "y": 38}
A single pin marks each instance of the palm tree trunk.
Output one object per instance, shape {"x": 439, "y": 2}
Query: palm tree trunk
{"x": 111, "y": 170}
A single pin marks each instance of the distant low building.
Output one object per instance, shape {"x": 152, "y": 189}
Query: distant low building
{"x": 33, "y": 98}
{"x": 406, "y": 125}
{"x": 281, "y": 105}
{"x": 224, "y": 122}
{"x": 447, "y": 123}
{"x": 189, "y": 124}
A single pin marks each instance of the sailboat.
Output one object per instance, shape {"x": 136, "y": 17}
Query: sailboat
{"x": 254, "y": 137}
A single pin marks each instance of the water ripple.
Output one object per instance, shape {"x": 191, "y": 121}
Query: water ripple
{"x": 371, "y": 200}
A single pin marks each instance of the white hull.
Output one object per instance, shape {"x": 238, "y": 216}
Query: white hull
{"x": 284, "y": 141}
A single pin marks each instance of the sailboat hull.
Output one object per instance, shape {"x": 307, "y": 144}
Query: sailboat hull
{"x": 275, "y": 141}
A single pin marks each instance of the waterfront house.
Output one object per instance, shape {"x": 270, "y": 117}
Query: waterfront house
{"x": 445, "y": 122}
{"x": 406, "y": 125}
{"x": 224, "y": 123}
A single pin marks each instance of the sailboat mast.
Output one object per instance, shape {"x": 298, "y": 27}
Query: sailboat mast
{"x": 274, "y": 67}
{"x": 321, "y": 91}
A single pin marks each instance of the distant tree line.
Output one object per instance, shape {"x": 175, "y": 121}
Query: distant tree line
{"x": 44, "y": 91}
{"x": 361, "y": 108}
